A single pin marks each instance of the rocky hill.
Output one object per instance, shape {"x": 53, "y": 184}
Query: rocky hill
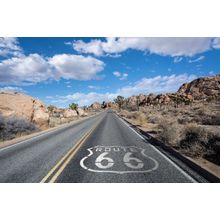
{"x": 24, "y": 106}
{"x": 33, "y": 110}
{"x": 202, "y": 88}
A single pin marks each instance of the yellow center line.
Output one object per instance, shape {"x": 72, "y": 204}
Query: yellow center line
{"x": 67, "y": 154}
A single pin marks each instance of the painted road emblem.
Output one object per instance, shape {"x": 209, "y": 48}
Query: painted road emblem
{"x": 118, "y": 159}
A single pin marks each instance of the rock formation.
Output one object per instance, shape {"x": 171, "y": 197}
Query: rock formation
{"x": 23, "y": 106}
{"x": 202, "y": 88}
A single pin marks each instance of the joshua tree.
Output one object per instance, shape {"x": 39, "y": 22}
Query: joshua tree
{"x": 119, "y": 100}
{"x": 73, "y": 106}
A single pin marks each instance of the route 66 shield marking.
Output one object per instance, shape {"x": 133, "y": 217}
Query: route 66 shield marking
{"x": 118, "y": 159}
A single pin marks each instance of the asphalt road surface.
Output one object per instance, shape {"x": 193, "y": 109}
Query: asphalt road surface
{"x": 103, "y": 148}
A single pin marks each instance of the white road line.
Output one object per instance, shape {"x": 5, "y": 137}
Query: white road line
{"x": 131, "y": 128}
{"x": 163, "y": 155}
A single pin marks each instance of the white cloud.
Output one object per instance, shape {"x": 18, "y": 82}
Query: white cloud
{"x": 25, "y": 70}
{"x": 177, "y": 59}
{"x": 124, "y": 76}
{"x": 76, "y": 66}
{"x": 81, "y": 98}
{"x": 117, "y": 74}
{"x": 34, "y": 68}
{"x": 216, "y": 43}
{"x": 9, "y": 46}
{"x": 10, "y": 88}
{"x": 93, "y": 87}
{"x": 121, "y": 76}
{"x": 158, "y": 84}
{"x": 197, "y": 59}
{"x": 162, "y": 46}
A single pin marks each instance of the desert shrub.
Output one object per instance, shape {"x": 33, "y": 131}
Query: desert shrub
{"x": 214, "y": 143}
{"x": 126, "y": 114}
{"x": 170, "y": 132}
{"x": 12, "y": 127}
{"x": 140, "y": 118}
{"x": 154, "y": 118}
{"x": 185, "y": 119}
{"x": 211, "y": 119}
{"x": 195, "y": 140}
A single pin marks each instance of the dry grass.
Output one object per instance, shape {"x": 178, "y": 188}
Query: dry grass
{"x": 12, "y": 127}
{"x": 186, "y": 128}
{"x": 170, "y": 132}
{"x": 191, "y": 139}
{"x": 138, "y": 117}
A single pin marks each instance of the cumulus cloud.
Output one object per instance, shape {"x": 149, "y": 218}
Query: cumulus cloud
{"x": 34, "y": 68}
{"x": 158, "y": 84}
{"x": 187, "y": 46}
{"x": 25, "y": 70}
{"x": 81, "y": 98}
{"x": 9, "y": 46}
{"x": 121, "y": 76}
{"x": 76, "y": 66}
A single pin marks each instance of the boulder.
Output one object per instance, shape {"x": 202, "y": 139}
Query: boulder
{"x": 96, "y": 106}
{"x": 81, "y": 112}
{"x": 69, "y": 113}
{"x": 24, "y": 106}
{"x": 40, "y": 118}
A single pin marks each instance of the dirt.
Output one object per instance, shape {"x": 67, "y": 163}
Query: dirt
{"x": 206, "y": 164}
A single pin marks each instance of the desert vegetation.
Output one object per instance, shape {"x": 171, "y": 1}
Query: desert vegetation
{"x": 191, "y": 129}
{"x": 11, "y": 127}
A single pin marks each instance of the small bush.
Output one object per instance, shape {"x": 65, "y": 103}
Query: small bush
{"x": 12, "y": 127}
{"x": 196, "y": 140}
{"x": 170, "y": 132}
{"x": 140, "y": 118}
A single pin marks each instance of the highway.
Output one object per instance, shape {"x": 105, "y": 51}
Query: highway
{"x": 99, "y": 149}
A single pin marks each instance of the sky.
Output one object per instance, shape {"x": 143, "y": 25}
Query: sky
{"x": 60, "y": 71}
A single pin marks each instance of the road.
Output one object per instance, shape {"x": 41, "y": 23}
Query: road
{"x": 103, "y": 148}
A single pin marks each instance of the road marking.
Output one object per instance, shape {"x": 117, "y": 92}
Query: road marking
{"x": 66, "y": 159}
{"x": 163, "y": 155}
{"x": 131, "y": 128}
{"x": 46, "y": 133}
{"x": 61, "y": 160}
{"x": 127, "y": 158}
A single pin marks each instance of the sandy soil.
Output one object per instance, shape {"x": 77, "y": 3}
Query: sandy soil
{"x": 211, "y": 167}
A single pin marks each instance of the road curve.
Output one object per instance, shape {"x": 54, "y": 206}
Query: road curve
{"x": 102, "y": 148}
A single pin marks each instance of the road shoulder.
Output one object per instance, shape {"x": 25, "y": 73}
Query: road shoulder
{"x": 39, "y": 133}
{"x": 195, "y": 165}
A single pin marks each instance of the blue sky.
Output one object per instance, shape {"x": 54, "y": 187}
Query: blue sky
{"x": 84, "y": 70}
